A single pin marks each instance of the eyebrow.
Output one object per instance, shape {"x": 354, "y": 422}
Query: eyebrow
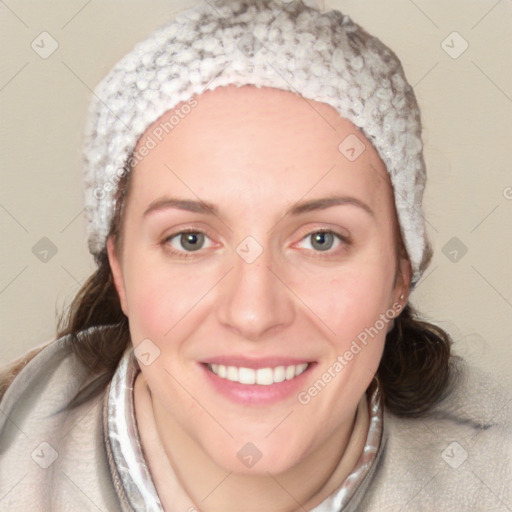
{"x": 297, "y": 209}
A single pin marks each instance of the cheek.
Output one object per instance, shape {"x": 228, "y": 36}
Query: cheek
{"x": 351, "y": 312}
{"x": 348, "y": 303}
{"x": 160, "y": 297}
{"x": 149, "y": 297}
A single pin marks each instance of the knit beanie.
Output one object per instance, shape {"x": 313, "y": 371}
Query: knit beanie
{"x": 294, "y": 46}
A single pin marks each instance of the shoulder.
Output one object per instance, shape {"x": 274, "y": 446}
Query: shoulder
{"x": 9, "y": 371}
{"x": 49, "y": 453}
{"x": 457, "y": 455}
{"x": 37, "y": 358}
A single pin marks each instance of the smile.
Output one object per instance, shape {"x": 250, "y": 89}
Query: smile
{"x": 263, "y": 376}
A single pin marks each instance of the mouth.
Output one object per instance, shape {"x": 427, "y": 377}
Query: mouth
{"x": 261, "y": 382}
{"x": 256, "y": 381}
{"x": 265, "y": 376}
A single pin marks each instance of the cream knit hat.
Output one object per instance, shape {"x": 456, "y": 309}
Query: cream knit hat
{"x": 323, "y": 56}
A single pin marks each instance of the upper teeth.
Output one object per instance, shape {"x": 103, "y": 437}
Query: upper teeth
{"x": 264, "y": 376}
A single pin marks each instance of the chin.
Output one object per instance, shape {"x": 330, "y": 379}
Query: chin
{"x": 257, "y": 457}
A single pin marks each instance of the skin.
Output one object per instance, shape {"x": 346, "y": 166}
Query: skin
{"x": 254, "y": 153}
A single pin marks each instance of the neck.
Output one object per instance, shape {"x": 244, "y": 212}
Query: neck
{"x": 169, "y": 449}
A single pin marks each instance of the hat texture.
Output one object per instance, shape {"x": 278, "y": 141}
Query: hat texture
{"x": 294, "y": 46}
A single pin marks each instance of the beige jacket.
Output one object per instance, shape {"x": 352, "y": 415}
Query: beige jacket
{"x": 457, "y": 458}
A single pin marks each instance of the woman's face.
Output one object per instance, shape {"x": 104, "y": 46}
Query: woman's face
{"x": 256, "y": 285}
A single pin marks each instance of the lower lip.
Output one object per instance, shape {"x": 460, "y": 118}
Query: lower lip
{"x": 256, "y": 394}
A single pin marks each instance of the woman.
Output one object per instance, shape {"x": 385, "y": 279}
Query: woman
{"x": 253, "y": 177}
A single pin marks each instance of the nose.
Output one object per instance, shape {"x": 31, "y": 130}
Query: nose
{"x": 255, "y": 298}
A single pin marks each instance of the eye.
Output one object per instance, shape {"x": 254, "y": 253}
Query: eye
{"x": 189, "y": 240}
{"x": 185, "y": 243}
{"x": 323, "y": 240}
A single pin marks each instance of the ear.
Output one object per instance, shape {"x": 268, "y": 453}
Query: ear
{"x": 117, "y": 273}
{"x": 402, "y": 285}
{"x": 403, "y": 280}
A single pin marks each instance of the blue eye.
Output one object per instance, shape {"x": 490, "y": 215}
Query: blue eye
{"x": 190, "y": 240}
{"x": 185, "y": 243}
{"x": 322, "y": 241}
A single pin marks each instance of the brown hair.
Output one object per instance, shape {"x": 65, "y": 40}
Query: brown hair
{"x": 414, "y": 371}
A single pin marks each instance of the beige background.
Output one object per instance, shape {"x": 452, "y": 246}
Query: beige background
{"x": 466, "y": 110}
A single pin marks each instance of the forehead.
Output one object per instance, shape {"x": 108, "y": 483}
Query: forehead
{"x": 259, "y": 144}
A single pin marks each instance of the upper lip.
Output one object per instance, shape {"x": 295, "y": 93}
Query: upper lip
{"x": 245, "y": 362}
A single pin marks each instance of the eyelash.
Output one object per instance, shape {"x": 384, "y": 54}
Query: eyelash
{"x": 319, "y": 254}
